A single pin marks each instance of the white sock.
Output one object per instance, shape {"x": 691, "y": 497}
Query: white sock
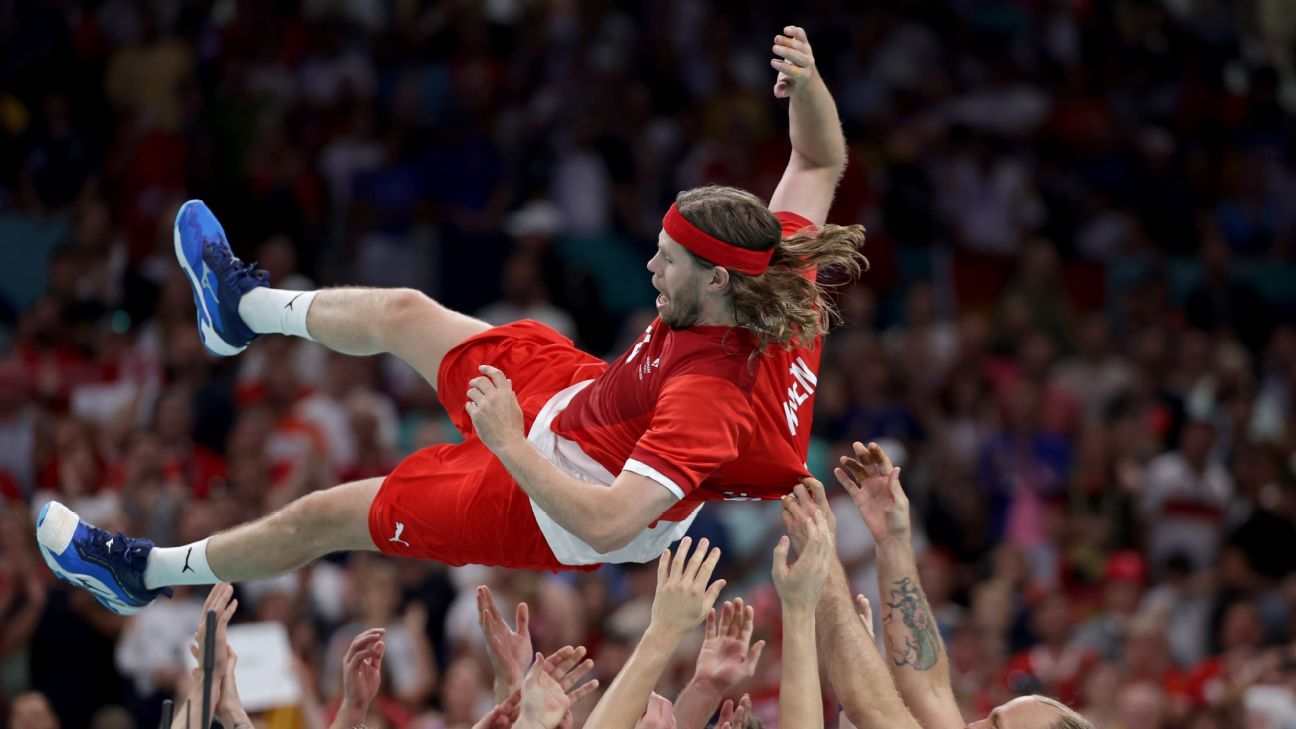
{"x": 276, "y": 311}
{"x": 185, "y": 565}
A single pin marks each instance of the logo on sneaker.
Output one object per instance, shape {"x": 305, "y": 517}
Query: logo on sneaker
{"x": 400, "y": 527}
{"x": 212, "y": 302}
{"x": 97, "y": 590}
{"x": 186, "y": 567}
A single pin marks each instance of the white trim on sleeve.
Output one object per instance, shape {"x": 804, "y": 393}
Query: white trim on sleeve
{"x": 647, "y": 471}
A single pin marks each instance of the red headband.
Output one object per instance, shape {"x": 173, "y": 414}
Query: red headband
{"x": 743, "y": 260}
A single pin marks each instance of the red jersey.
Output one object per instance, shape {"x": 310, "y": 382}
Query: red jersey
{"x": 692, "y": 410}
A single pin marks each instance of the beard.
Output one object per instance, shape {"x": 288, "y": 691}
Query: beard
{"x": 683, "y": 308}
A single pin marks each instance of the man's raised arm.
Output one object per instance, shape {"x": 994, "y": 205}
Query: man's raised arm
{"x": 916, "y": 656}
{"x": 818, "y": 146}
{"x": 856, "y": 670}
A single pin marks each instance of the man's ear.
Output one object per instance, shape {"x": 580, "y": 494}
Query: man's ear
{"x": 719, "y": 280}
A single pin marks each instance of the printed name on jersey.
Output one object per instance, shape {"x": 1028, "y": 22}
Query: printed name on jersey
{"x": 798, "y": 392}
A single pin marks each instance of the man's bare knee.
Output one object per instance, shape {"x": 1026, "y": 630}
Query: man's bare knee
{"x": 420, "y": 331}
{"x": 335, "y": 519}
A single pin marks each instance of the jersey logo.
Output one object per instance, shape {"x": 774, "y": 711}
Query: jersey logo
{"x": 802, "y": 387}
{"x": 647, "y": 366}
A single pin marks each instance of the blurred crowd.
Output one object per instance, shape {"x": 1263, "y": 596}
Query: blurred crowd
{"x": 1078, "y": 336}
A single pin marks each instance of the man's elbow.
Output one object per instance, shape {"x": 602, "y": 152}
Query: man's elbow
{"x": 831, "y": 166}
{"x": 608, "y": 536}
{"x": 836, "y": 166}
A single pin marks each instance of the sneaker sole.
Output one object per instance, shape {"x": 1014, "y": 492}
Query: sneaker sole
{"x": 55, "y": 528}
{"x": 211, "y": 341}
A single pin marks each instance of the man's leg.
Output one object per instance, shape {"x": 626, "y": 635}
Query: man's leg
{"x": 235, "y": 304}
{"x": 363, "y": 321}
{"x": 333, "y": 520}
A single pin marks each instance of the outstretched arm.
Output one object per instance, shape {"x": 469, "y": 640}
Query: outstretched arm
{"x": 683, "y": 599}
{"x": 726, "y": 659}
{"x": 361, "y": 674}
{"x": 856, "y": 670}
{"x": 799, "y": 586}
{"x": 509, "y": 650}
{"x": 220, "y": 600}
{"x": 916, "y": 655}
{"x": 818, "y": 146}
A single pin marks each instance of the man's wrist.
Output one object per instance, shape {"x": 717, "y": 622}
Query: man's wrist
{"x": 237, "y": 720}
{"x": 350, "y": 714}
{"x": 658, "y": 634}
{"x": 510, "y": 450}
{"x": 707, "y": 686}
{"x": 504, "y": 688}
{"x": 798, "y": 613}
{"x": 895, "y": 545}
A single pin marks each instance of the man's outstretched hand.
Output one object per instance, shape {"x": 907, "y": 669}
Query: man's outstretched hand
{"x": 547, "y": 690}
{"x": 799, "y": 508}
{"x": 509, "y": 650}
{"x": 362, "y": 669}
{"x": 799, "y": 584}
{"x": 874, "y": 485}
{"x": 683, "y": 596}
{"x": 795, "y": 61}
{"x": 727, "y": 657}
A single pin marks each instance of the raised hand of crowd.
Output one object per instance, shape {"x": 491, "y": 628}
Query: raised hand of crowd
{"x": 549, "y": 689}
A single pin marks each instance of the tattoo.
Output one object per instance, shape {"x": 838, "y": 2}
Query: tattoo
{"x": 922, "y": 646}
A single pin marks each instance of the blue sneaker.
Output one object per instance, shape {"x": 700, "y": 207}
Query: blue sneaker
{"x": 110, "y": 566}
{"x": 218, "y": 279}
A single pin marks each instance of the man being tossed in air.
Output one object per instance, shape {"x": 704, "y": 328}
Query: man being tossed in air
{"x": 567, "y": 462}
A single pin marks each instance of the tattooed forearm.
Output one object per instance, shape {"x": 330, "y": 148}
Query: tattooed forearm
{"x": 918, "y": 645}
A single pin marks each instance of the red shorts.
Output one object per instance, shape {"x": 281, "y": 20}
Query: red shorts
{"x": 457, "y": 504}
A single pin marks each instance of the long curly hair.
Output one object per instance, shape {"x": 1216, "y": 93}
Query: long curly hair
{"x": 782, "y": 307}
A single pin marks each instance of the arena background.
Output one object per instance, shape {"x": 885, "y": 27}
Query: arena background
{"x": 1076, "y": 334}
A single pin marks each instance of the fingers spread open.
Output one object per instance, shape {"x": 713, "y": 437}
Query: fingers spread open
{"x": 748, "y": 623}
{"x": 582, "y": 690}
{"x": 523, "y": 618}
{"x": 713, "y": 593}
{"x": 576, "y": 674}
{"x": 681, "y": 553}
{"x": 726, "y": 711}
{"x": 695, "y": 561}
{"x": 846, "y": 481}
{"x": 568, "y": 660}
{"x": 709, "y": 565}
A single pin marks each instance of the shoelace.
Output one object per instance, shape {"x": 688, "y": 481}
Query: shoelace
{"x": 231, "y": 267}
{"x": 121, "y": 549}
{"x": 124, "y": 550}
